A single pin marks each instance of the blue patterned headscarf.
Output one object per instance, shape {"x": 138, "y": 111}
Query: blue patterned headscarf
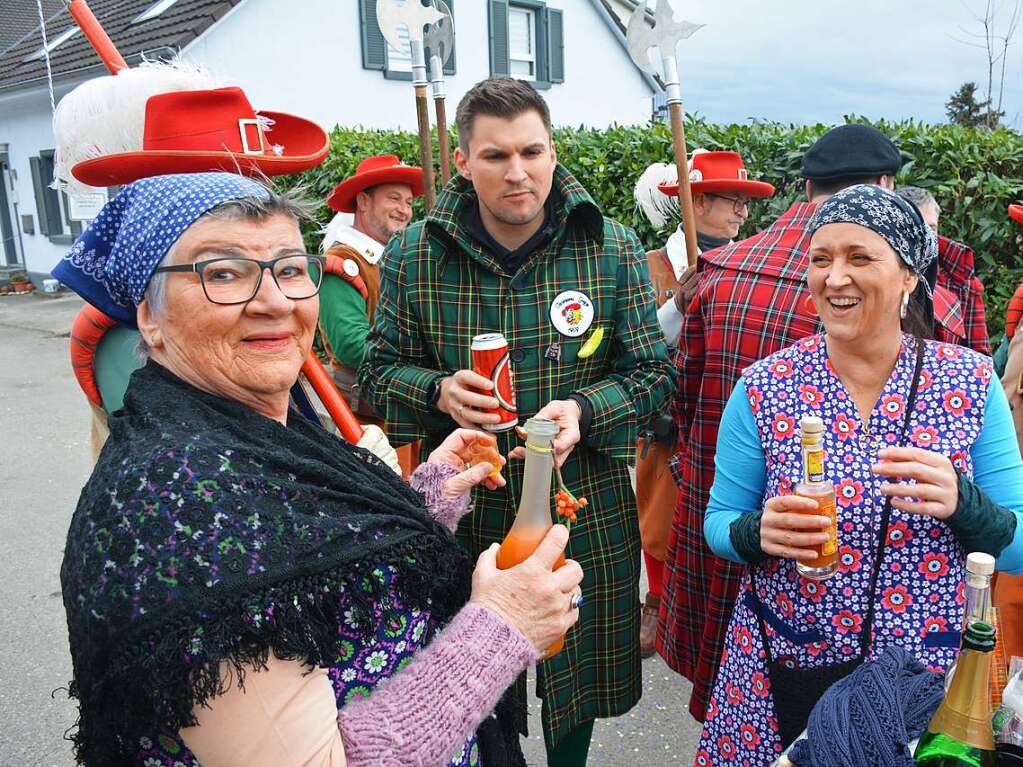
{"x": 112, "y": 261}
{"x": 890, "y": 216}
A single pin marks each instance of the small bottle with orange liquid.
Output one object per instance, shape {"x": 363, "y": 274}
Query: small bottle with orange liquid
{"x": 533, "y": 519}
{"x": 817, "y": 488}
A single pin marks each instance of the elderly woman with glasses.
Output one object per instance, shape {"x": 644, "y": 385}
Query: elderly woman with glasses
{"x": 237, "y": 582}
{"x": 918, "y": 442}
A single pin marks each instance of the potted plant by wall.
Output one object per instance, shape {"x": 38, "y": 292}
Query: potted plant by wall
{"x": 20, "y": 283}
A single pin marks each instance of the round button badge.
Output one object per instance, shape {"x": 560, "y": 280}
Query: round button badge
{"x": 572, "y": 313}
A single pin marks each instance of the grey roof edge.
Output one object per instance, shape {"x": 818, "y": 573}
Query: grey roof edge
{"x": 79, "y": 74}
{"x": 616, "y": 29}
{"x": 201, "y": 23}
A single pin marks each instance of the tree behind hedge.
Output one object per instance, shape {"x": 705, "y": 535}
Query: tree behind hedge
{"x": 974, "y": 174}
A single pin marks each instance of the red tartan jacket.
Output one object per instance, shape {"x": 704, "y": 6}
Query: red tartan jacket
{"x": 751, "y": 301}
{"x": 959, "y": 297}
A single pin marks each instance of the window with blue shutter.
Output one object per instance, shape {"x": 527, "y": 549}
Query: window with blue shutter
{"x": 374, "y": 47}
{"x": 377, "y": 54}
{"x": 527, "y": 41}
{"x": 51, "y": 206}
{"x": 556, "y": 45}
{"x": 499, "y": 59}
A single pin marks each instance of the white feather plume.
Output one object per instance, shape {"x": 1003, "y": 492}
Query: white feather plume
{"x": 332, "y": 231}
{"x": 658, "y": 207}
{"x": 106, "y": 115}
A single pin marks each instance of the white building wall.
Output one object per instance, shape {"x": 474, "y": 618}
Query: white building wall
{"x": 26, "y": 128}
{"x": 306, "y": 58}
{"x": 319, "y": 73}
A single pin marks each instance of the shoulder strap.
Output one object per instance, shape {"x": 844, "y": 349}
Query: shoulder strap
{"x": 866, "y": 633}
{"x": 338, "y": 265}
{"x": 886, "y": 513}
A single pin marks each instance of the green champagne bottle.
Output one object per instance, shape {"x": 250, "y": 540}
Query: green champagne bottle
{"x": 959, "y": 733}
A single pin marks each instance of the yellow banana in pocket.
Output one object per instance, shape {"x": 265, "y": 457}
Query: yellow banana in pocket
{"x": 592, "y": 344}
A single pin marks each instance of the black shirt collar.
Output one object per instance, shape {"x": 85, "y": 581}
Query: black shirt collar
{"x": 511, "y": 260}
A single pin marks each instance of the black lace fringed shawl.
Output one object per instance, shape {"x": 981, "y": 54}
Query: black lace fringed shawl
{"x": 209, "y": 533}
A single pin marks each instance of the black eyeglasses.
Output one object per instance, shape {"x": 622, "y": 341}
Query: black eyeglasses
{"x": 738, "y": 203}
{"x": 236, "y": 280}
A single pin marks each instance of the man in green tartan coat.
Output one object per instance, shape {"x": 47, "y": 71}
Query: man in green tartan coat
{"x": 515, "y": 245}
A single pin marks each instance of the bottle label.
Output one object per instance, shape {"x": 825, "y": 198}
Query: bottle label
{"x": 827, "y": 508}
{"x": 814, "y": 462}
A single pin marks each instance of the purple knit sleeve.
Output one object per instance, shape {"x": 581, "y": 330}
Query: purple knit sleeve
{"x": 421, "y": 715}
{"x": 429, "y": 479}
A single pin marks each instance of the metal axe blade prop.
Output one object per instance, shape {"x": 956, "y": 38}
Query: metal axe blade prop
{"x": 665, "y": 35}
{"x": 440, "y": 42}
{"x": 414, "y": 16}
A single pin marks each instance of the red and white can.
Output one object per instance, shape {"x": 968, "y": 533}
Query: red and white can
{"x": 490, "y": 359}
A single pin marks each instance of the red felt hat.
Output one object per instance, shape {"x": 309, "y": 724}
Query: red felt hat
{"x": 719, "y": 172}
{"x": 380, "y": 169}
{"x": 197, "y": 131}
{"x": 1016, "y": 213}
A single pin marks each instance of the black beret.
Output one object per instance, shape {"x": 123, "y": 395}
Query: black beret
{"x": 850, "y": 151}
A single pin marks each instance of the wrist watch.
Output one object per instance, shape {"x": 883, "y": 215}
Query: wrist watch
{"x": 433, "y": 393}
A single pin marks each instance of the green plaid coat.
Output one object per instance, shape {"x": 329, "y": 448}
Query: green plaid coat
{"x": 439, "y": 289}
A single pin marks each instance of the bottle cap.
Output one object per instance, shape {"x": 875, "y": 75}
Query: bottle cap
{"x": 811, "y": 427}
{"x": 979, "y": 636}
{"x": 541, "y": 431}
{"x": 979, "y": 563}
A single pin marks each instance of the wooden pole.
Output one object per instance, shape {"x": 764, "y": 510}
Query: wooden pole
{"x": 685, "y": 193}
{"x": 97, "y": 36}
{"x": 678, "y": 134}
{"x": 439, "y": 96}
{"x": 421, "y": 82}
{"x": 425, "y": 146}
{"x": 442, "y": 137}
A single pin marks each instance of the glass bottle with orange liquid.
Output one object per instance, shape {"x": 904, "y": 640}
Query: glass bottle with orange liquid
{"x": 817, "y": 488}
{"x": 533, "y": 519}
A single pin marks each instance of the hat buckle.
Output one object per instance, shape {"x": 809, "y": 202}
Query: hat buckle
{"x": 243, "y": 124}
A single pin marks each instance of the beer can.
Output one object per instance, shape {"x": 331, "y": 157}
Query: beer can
{"x": 490, "y": 359}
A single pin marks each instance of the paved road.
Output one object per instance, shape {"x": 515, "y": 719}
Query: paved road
{"x": 45, "y": 461}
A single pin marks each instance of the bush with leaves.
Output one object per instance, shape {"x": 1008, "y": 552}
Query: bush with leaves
{"x": 974, "y": 173}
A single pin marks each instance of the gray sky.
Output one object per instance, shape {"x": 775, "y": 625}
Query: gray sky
{"x": 804, "y": 61}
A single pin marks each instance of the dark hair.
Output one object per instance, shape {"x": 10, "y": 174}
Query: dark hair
{"x": 832, "y": 185}
{"x": 919, "y": 319}
{"x": 503, "y": 97}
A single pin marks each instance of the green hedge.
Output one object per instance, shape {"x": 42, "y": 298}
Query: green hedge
{"x": 973, "y": 173}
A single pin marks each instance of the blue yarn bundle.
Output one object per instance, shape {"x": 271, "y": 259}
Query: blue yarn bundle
{"x": 869, "y": 718}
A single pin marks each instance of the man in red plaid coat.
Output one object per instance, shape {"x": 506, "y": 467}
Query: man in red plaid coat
{"x": 751, "y": 302}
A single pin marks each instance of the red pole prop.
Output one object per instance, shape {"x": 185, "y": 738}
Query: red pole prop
{"x": 331, "y": 398}
{"x": 96, "y": 35}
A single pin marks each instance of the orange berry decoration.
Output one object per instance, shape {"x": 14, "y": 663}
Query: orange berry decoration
{"x": 568, "y": 506}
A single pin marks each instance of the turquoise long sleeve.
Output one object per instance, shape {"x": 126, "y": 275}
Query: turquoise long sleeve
{"x": 998, "y": 471}
{"x": 740, "y": 475}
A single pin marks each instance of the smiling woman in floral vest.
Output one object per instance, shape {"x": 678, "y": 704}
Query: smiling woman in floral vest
{"x": 895, "y": 409}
